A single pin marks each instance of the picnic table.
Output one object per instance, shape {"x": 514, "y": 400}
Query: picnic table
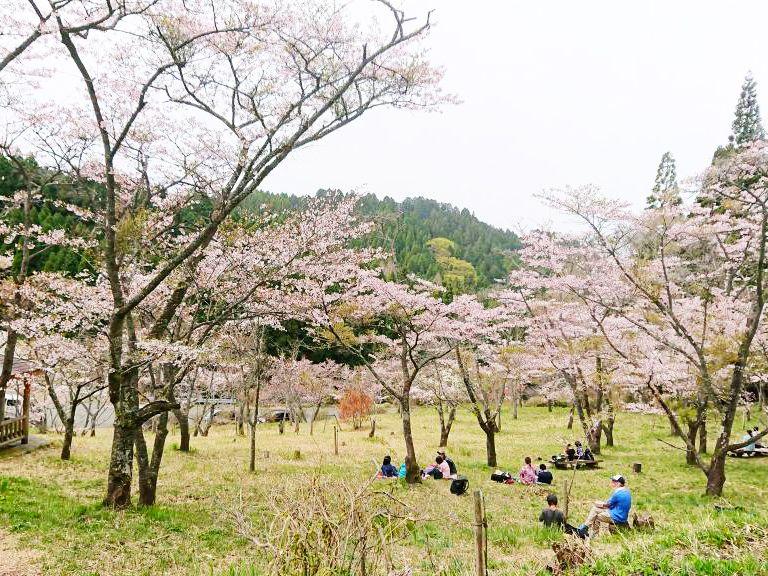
{"x": 742, "y": 453}
{"x": 578, "y": 464}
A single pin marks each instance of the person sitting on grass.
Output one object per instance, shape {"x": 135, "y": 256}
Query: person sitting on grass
{"x": 543, "y": 476}
{"x": 528, "y": 472}
{"x": 551, "y": 515}
{"x": 579, "y": 451}
{"x": 614, "y": 511}
{"x": 439, "y": 470}
{"x": 749, "y": 447}
{"x": 451, "y": 464}
{"x": 387, "y": 470}
{"x": 570, "y": 453}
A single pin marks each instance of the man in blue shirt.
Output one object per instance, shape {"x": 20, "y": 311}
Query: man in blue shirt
{"x": 615, "y": 510}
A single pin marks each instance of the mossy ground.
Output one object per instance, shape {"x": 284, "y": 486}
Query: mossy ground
{"x": 52, "y": 508}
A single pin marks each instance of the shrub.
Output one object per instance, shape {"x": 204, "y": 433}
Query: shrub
{"x": 355, "y": 405}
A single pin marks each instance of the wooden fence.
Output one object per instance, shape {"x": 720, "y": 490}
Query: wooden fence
{"x": 17, "y": 429}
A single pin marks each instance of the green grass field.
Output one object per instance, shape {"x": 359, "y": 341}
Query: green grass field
{"x": 51, "y": 521}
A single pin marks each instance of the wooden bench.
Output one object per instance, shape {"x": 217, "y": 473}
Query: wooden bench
{"x": 578, "y": 464}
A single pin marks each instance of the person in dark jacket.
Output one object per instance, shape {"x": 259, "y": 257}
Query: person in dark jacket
{"x": 387, "y": 470}
{"x": 551, "y": 515}
{"x": 543, "y": 476}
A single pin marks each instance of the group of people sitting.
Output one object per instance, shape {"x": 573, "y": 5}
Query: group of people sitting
{"x": 614, "y": 511}
{"x": 442, "y": 468}
{"x": 578, "y": 453}
{"x": 752, "y": 446}
{"x": 530, "y": 475}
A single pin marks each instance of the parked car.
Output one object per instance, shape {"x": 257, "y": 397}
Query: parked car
{"x": 13, "y": 404}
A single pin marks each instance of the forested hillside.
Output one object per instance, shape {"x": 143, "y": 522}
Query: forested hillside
{"x": 433, "y": 240}
{"x": 411, "y": 225}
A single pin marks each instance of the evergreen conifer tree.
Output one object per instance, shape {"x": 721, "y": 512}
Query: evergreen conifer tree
{"x": 747, "y": 126}
{"x": 665, "y": 189}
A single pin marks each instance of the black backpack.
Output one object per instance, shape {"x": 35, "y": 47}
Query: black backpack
{"x": 460, "y": 485}
{"x": 451, "y": 465}
{"x": 500, "y": 476}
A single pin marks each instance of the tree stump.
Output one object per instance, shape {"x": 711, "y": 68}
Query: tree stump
{"x": 570, "y": 553}
{"x": 637, "y": 467}
{"x": 373, "y": 428}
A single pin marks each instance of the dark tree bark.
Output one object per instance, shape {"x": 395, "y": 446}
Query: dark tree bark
{"x": 69, "y": 432}
{"x": 716, "y": 474}
{"x": 412, "y": 471}
{"x": 149, "y": 469}
{"x": 490, "y": 447}
{"x": 121, "y": 466}
{"x": 183, "y": 420}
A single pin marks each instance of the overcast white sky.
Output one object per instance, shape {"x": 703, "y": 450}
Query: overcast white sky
{"x": 554, "y": 92}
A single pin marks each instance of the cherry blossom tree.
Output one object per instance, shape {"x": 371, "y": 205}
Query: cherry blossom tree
{"x": 184, "y": 109}
{"x": 441, "y": 387}
{"x": 60, "y": 321}
{"x": 486, "y": 388}
{"x": 300, "y": 383}
{"x": 386, "y": 324}
{"x": 74, "y": 372}
{"x": 562, "y": 338}
{"x": 696, "y": 298}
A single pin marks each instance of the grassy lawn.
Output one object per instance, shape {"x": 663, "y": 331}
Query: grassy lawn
{"x": 50, "y": 509}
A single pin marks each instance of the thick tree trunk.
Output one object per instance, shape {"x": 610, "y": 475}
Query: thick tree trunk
{"x": 412, "y": 471}
{"x": 549, "y": 405}
{"x": 69, "y": 432}
{"x": 594, "y": 436}
{"x": 608, "y": 430}
{"x": 149, "y": 469}
{"x": 490, "y": 446}
{"x": 66, "y": 447}
{"x": 515, "y": 404}
{"x": 570, "y": 420}
{"x": 120, "y": 466}
{"x": 183, "y": 420}
{"x": 142, "y": 462}
{"x": 716, "y": 474}
{"x": 690, "y": 453}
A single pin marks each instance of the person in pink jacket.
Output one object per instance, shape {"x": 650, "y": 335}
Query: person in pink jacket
{"x": 528, "y": 472}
